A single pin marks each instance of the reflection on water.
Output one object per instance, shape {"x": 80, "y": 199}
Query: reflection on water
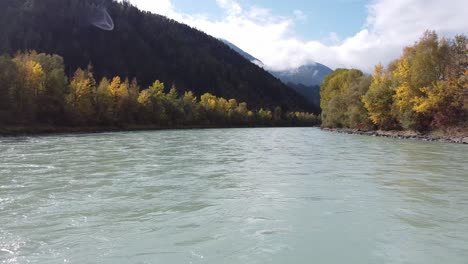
{"x": 294, "y": 195}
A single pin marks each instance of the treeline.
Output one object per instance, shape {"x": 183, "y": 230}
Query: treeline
{"x": 425, "y": 89}
{"x": 34, "y": 90}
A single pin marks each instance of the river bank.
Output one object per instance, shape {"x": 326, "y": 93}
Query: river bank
{"x": 17, "y": 131}
{"x": 439, "y": 136}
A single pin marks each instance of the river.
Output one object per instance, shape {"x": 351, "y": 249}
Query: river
{"x": 276, "y": 195}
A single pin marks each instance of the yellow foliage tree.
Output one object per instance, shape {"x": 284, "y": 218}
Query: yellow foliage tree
{"x": 82, "y": 95}
{"x": 30, "y": 83}
{"x": 379, "y": 99}
{"x": 428, "y": 92}
{"x": 208, "y": 101}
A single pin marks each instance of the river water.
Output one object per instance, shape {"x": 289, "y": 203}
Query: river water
{"x": 286, "y": 195}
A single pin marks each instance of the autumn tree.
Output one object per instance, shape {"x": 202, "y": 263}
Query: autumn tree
{"x": 356, "y": 113}
{"x": 264, "y": 116}
{"x": 173, "y": 107}
{"x": 190, "y": 108}
{"x": 81, "y": 98}
{"x": 104, "y": 103}
{"x": 445, "y": 99}
{"x": 341, "y": 94}
{"x": 378, "y": 100}
{"x": 51, "y": 99}
{"x": 29, "y": 85}
{"x": 429, "y": 83}
{"x": 242, "y": 109}
{"x": 151, "y": 101}
{"x": 34, "y": 90}
{"x": 124, "y": 100}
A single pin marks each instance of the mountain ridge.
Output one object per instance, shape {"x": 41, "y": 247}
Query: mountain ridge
{"x": 308, "y": 75}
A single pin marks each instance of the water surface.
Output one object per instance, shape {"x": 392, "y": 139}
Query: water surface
{"x": 289, "y": 195}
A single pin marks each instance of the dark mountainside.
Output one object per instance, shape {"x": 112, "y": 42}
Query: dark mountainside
{"x": 311, "y": 93}
{"x": 141, "y": 45}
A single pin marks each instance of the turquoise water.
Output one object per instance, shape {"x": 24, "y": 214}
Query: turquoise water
{"x": 286, "y": 195}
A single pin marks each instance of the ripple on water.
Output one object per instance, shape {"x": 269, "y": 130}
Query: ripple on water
{"x": 232, "y": 196}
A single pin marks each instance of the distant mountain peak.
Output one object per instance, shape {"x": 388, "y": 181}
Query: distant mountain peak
{"x": 305, "y": 80}
{"x": 308, "y": 75}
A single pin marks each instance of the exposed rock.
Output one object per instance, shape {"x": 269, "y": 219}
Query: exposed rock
{"x": 400, "y": 135}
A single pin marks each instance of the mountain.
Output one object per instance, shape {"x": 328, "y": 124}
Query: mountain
{"x": 311, "y": 93}
{"x": 308, "y": 75}
{"x": 305, "y": 80}
{"x": 241, "y": 52}
{"x": 119, "y": 39}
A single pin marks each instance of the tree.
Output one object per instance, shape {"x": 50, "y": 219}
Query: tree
{"x": 278, "y": 114}
{"x": 408, "y": 80}
{"x": 356, "y": 114}
{"x": 29, "y": 84}
{"x": 8, "y": 80}
{"x": 341, "y": 94}
{"x": 151, "y": 101}
{"x": 81, "y": 98}
{"x": 191, "y": 110}
{"x": 208, "y": 101}
{"x": 30, "y": 80}
{"x": 104, "y": 103}
{"x": 379, "y": 100}
{"x": 50, "y": 101}
{"x": 335, "y": 113}
{"x": 429, "y": 93}
{"x": 172, "y": 106}
{"x": 133, "y": 93}
{"x": 119, "y": 95}
{"x": 265, "y": 116}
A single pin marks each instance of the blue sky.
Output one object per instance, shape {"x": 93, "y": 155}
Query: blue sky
{"x": 344, "y": 17}
{"x": 285, "y": 34}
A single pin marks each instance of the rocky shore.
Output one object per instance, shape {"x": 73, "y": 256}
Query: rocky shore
{"x": 458, "y": 139}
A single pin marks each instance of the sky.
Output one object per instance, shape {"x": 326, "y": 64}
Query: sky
{"x": 286, "y": 34}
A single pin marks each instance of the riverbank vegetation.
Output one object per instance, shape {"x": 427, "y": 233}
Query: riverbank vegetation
{"x": 35, "y": 92}
{"x": 424, "y": 90}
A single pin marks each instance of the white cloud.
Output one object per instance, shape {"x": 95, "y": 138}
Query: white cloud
{"x": 232, "y": 7}
{"x": 391, "y": 25}
{"x": 301, "y": 16}
{"x": 332, "y": 39}
{"x": 162, "y": 7}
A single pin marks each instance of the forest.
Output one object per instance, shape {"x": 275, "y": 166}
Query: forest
{"x": 121, "y": 40}
{"x": 35, "y": 91}
{"x": 426, "y": 89}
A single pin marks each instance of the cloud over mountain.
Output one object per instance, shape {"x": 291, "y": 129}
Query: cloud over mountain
{"x": 391, "y": 25}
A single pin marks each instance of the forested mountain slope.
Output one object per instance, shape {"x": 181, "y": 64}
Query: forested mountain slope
{"x": 119, "y": 39}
